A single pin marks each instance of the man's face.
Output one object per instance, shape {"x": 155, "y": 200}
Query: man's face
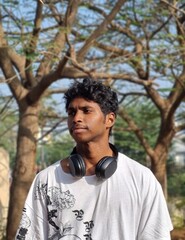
{"x": 86, "y": 121}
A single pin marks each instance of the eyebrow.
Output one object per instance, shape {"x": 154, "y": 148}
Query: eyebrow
{"x": 81, "y": 107}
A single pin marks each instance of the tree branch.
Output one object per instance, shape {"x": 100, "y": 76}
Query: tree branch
{"x": 180, "y": 127}
{"x": 99, "y": 30}
{"x": 133, "y": 126}
{"x": 19, "y": 63}
{"x": 6, "y": 65}
{"x": 30, "y": 49}
{"x": 59, "y": 40}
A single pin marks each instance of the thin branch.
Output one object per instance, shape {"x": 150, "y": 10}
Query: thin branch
{"x": 124, "y": 115}
{"x": 52, "y": 128}
{"x": 180, "y": 127}
{"x": 70, "y": 72}
{"x": 172, "y": 6}
{"x": 60, "y": 41}
{"x": 6, "y": 104}
{"x": 102, "y": 28}
{"x": 8, "y": 129}
{"x": 30, "y": 49}
{"x": 17, "y": 89}
{"x": 124, "y": 95}
{"x": 41, "y": 1}
{"x": 49, "y": 92}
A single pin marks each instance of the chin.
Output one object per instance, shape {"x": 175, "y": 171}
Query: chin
{"x": 81, "y": 140}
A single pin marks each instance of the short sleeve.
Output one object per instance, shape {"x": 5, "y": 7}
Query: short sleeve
{"x": 155, "y": 221}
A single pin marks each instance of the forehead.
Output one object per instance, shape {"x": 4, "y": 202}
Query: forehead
{"x": 82, "y": 102}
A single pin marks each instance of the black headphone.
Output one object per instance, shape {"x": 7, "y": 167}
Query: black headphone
{"x": 105, "y": 168}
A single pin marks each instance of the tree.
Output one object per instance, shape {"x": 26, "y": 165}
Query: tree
{"x": 130, "y": 44}
{"x": 29, "y": 75}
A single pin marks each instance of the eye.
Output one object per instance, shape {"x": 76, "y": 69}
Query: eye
{"x": 71, "y": 112}
{"x": 86, "y": 110}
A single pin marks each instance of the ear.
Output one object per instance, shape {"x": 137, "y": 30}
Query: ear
{"x": 110, "y": 119}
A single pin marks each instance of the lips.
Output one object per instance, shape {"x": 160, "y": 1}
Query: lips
{"x": 78, "y": 129}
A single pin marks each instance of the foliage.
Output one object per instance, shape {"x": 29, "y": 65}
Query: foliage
{"x": 176, "y": 183}
{"x": 176, "y": 174}
{"x": 127, "y": 143}
{"x": 147, "y": 118}
{"x": 54, "y": 150}
{"x": 8, "y": 126}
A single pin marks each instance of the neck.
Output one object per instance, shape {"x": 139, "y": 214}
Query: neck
{"x": 92, "y": 153}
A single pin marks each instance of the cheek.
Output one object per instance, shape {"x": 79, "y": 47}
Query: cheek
{"x": 69, "y": 122}
{"x": 97, "y": 122}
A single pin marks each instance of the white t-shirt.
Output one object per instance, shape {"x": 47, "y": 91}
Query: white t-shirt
{"x": 128, "y": 206}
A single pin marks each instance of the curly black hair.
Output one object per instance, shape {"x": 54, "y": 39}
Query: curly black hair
{"x": 95, "y": 91}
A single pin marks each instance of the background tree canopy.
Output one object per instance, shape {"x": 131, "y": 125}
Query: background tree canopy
{"x": 137, "y": 47}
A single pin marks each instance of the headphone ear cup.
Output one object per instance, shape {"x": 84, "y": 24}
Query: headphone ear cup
{"x": 106, "y": 167}
{"x": 77, "y": 165}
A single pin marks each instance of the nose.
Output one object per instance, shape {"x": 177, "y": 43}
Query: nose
{"x": 77, "y": 117}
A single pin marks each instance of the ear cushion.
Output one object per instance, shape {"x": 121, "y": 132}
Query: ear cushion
{"x": 77, "y": 165}
{"x": 106, "y": 167}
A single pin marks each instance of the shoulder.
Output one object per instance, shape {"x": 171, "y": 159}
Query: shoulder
{"x": 137, "y": 174}
{"x": 132, "y": 165}
{"x": 43, "y": 180}
{"x": 48, "y": 171}
{"x": 140, "y": 180}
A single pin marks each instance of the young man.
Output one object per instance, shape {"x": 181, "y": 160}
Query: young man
{"x": 95, "y": 193}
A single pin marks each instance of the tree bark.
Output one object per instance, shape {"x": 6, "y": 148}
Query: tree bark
{"x": 159, "y": 170}
{"x": 24, "y": 170}
{"x": 159, "y": 158}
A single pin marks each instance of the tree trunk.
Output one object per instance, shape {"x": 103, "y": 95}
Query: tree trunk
{"x": 158, "y": 165}
{"x": 160, "y": 156}
{"x": 159, "y": 170}
{"x": 24, "y": 170}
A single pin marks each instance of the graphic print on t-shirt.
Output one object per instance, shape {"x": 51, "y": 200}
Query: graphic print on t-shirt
{"x": 57, "y": 201}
